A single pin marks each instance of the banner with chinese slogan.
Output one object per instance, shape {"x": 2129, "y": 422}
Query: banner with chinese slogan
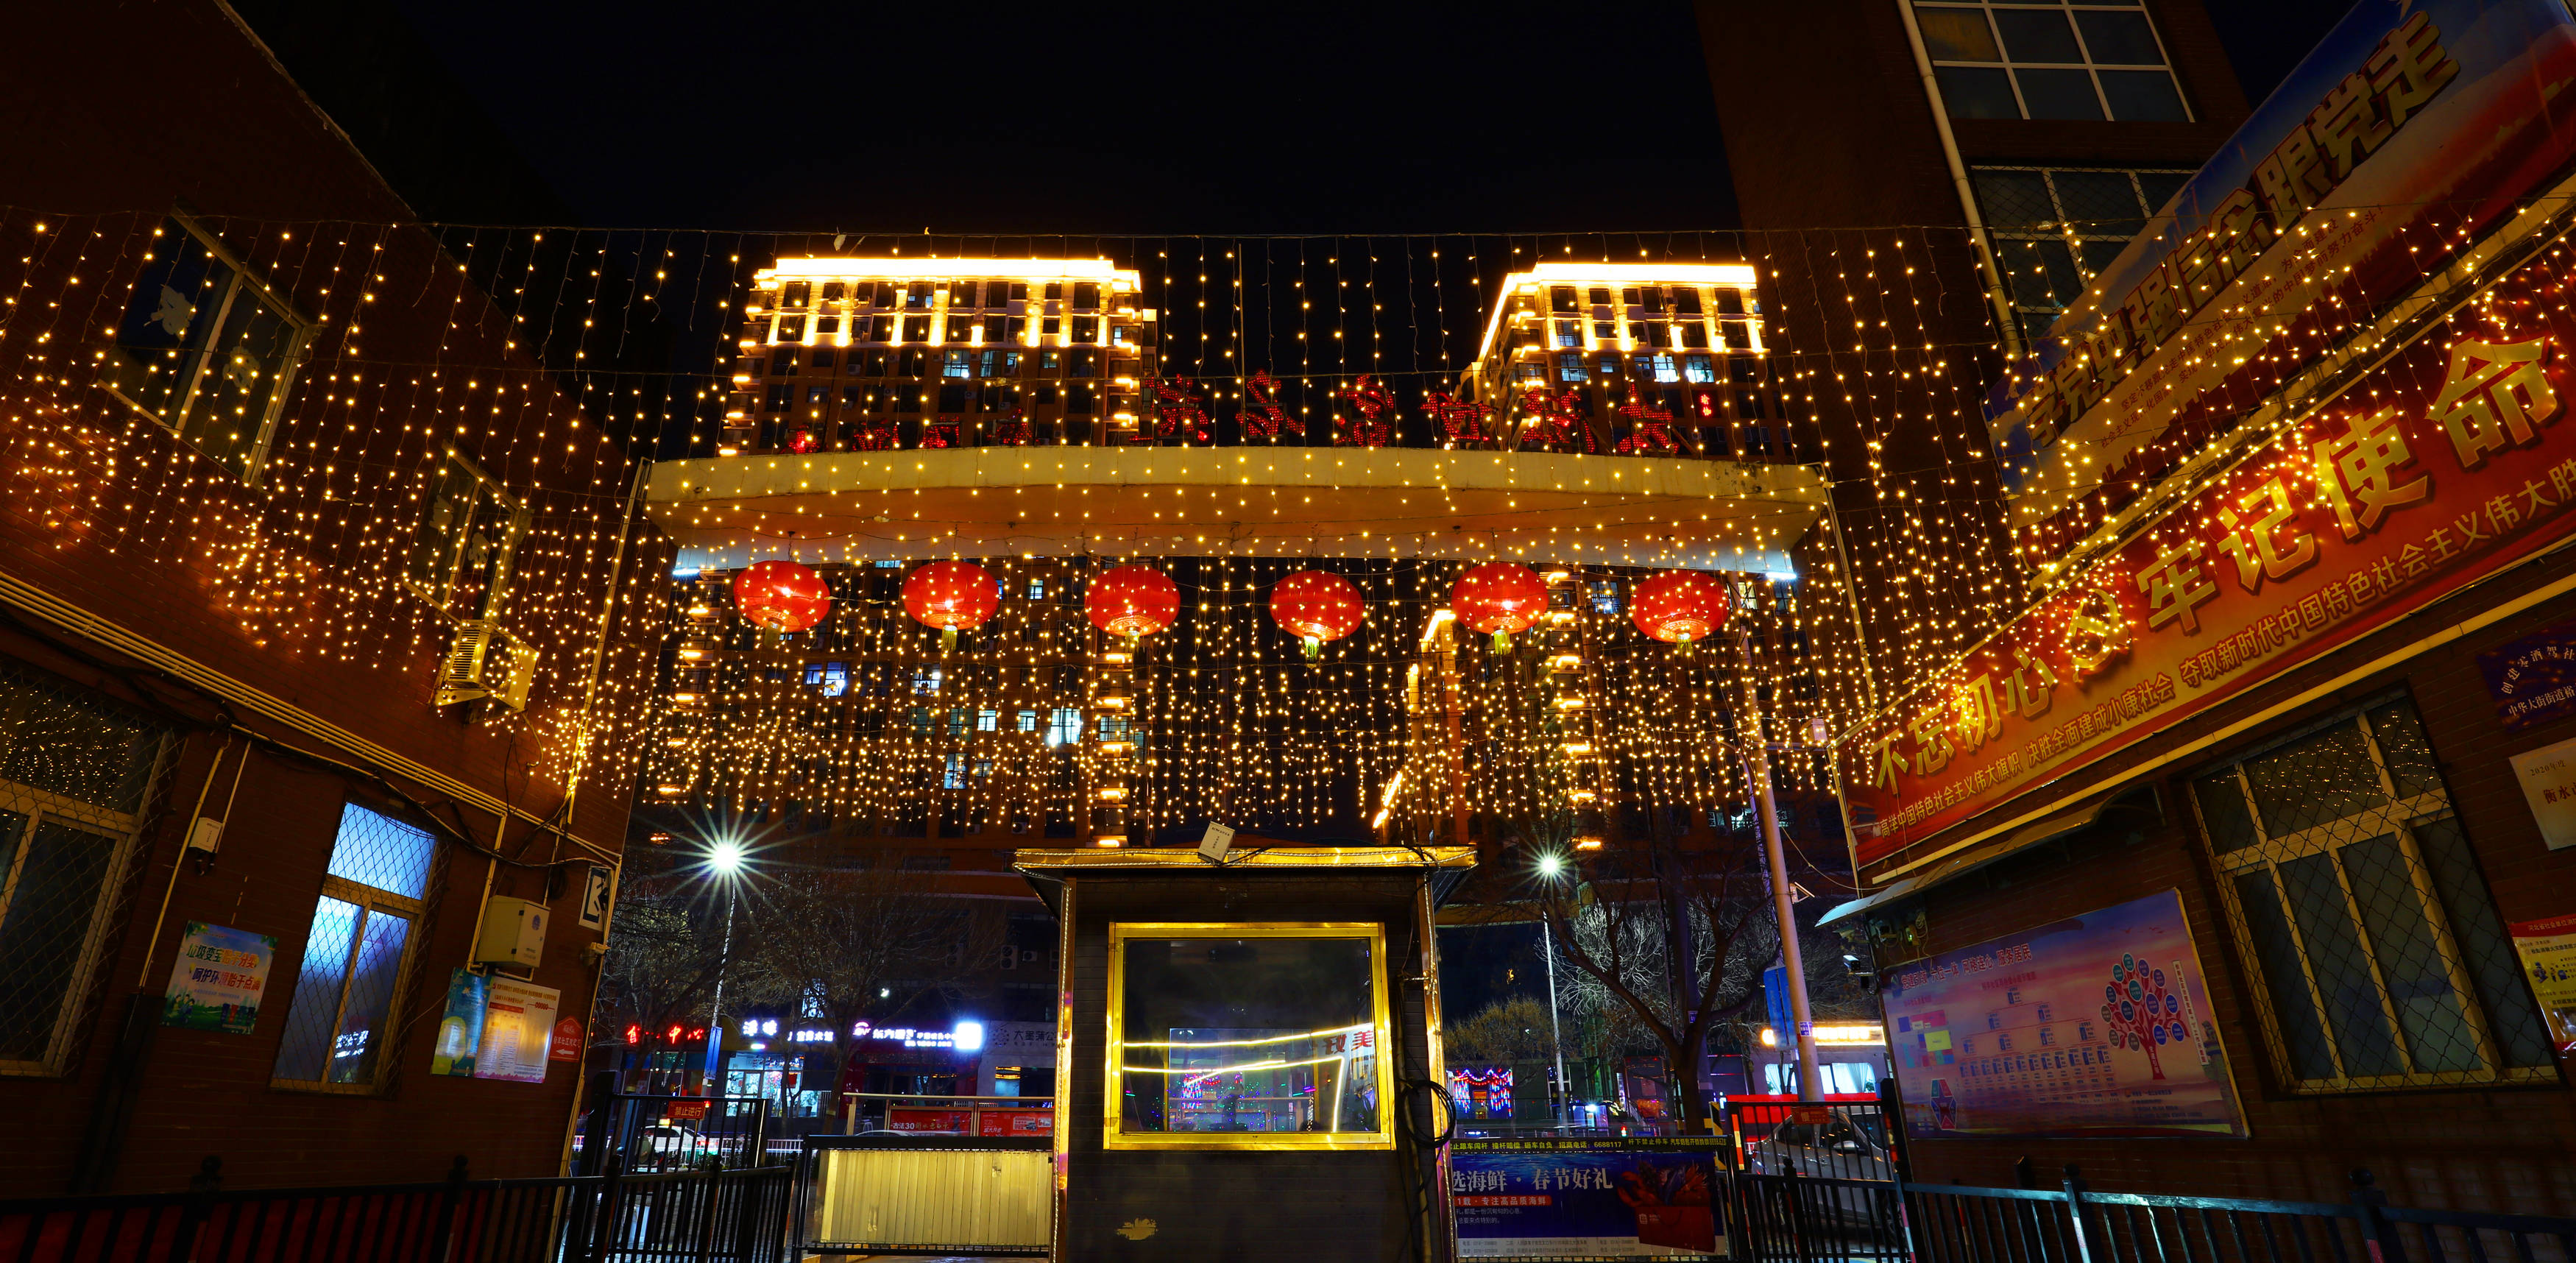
{"x": 2448, "y": 462}
{"x": 2410, "y": 128}
{"x": 1591, "y": 1198}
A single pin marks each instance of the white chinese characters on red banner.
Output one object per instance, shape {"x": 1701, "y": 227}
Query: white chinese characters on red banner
{"x": 2443, "y": 465}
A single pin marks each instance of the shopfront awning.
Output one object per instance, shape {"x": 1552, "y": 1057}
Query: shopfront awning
{"x": 2083, "y": 815}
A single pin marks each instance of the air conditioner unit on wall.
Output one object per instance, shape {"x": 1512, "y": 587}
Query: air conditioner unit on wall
{"x": 485, "y": 663}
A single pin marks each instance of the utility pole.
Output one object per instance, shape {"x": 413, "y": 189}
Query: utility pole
{"x": 1757, "y": 766}
{"x": 1555, "y": 1034}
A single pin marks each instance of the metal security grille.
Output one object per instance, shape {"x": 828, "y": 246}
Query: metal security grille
{"x": 2350, "y": 886}
{"x": 75, "y": 772}
{"x": 2055, "y": 228}
{"x": 350, "y": 984}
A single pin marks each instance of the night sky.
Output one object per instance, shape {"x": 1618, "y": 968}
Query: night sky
{"x": 1148, "y": 118}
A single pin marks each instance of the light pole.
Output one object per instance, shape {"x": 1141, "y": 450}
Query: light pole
{"x": 1552, "y": 866}
{"x": 724, "y": 863}
{"x": 1757, "y": 760}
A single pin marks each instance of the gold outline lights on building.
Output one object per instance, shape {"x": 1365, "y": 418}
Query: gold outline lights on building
{"x": 844, "y": 354}
{"x": 1686, "y": 337}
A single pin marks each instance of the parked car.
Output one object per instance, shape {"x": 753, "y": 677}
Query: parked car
{"x": 670, "y": 1147}
{"x": 1844, "y": 1147}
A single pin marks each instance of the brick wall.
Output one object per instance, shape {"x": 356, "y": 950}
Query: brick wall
{"x": 2501, "y": 1148}
{"x": 291, "y": 587}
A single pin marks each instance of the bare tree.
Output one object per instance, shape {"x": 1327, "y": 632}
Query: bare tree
{"x": 665, "y": 951}
{"x": 841, "y": 946}
{"x": 1678, "y": 939}
{"x": 1501, "y": 1033}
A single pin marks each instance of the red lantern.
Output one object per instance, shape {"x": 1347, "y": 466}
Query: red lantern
{"x": 1679, "y": 606}
{"x": 1500, "y": 598}
{"x": 781, "y": 596}
{"x": 1317, "y": 606}
{"x": 951, "y": 595}
{"x": 1132, "y": 601}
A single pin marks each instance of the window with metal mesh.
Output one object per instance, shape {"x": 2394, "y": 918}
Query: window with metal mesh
{"x": 2351, "y": 888}
{"x": 74, "y": 772}
{"x": 2055, "y": 228}
{"x": 340, "y": 1024}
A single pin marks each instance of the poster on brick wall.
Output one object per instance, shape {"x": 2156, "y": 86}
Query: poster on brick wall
{"x": 2096, "y": 1025}
{"x": 518, "y": 1027}
{"x": 216, "y": 983}
{"x": 2548, "y": 951}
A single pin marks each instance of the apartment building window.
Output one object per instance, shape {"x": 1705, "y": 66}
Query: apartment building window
{"x": 2352, "y": 893}
{"x": 1064, "y": 726}
{"x": 339, "y": 1027}
{"x": 2054, "y": 228}
{"x": 207, "y": 349}
{"x": 74, "y": 773}
{"x": 2090, "y": 61}
{"x": 462, "y": 553}
{"x": 1028, "y": 721}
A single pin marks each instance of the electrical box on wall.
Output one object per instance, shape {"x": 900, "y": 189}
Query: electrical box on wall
{"x": 514, "y": 932}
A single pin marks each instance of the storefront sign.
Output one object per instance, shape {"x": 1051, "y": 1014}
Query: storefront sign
{"x": 460, "y": 1032}
{"x": 1594, "y": 1199}
{"x": 518, "y": 1025}
{"x": 217, "y": 982}
{"x": 2097, "y": 1025}
{"x": 2446, "y": 464}
{"x": 2408, "y": 129}
{"x": 1005, "y": 1121}
{"x": 2548, "y": 951}
{"x": 2548, "y": 778}
{"x": 2533, "y": 680}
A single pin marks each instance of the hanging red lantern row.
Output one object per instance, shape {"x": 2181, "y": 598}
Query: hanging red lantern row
{"x": 1316, "y": 606}
{"x": 1500, "y": 598}
{"x": 781, "y": 596}
{"x": 1132, "y": 601}
{"x": 952, "y": 596}
{"x": 1679, "y": 606}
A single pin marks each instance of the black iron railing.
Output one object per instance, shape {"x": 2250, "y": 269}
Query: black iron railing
{"x": 737, "y": 1216}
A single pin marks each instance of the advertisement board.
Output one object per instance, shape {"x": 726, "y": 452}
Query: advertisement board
{"x": 2448, "y": 462}
{"x": 2548, "y": 951}
{"x": 2096, "y": 1025}
{"x": 218, "y": 979}
{"x": 1593, "y": 1199}
{"x": 518, "y": 1028}
{"x": 960, "y": 1122}
{"x": 460, "y": 1030}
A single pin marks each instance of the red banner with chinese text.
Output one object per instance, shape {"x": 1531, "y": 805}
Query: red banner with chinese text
{"x": 2445, "y": 464}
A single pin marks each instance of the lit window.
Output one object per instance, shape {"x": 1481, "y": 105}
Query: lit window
{"x": 1037, "y": 589}
{"x": 1664, "y": 369}
{"x": 207, "y": 350}
{"x": 1197, "y": 1069}
{"x": 988, "y": 721}
{"x": 1699, "y": 368}
{"x": 1569, "y": 367}
{"x": 952, "y": 773}
{"x": 1028, "y": 721}
{"x": 347, "y": 988}
{"x": 1064, "y": 726}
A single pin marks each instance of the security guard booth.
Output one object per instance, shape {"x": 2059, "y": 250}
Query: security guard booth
{"x": 1248, "y": 1053}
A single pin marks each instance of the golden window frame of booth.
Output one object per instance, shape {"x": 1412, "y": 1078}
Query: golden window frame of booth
{"x": 1114, "y": 1064}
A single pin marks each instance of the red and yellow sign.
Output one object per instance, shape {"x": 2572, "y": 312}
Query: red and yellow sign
{"x": 2443, "y": 465}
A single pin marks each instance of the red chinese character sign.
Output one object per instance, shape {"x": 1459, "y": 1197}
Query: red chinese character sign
{"x": 781, "y": 596}
{"x": 1316, "y": 606}
{"x": 2449, "y": 463}
{"x": 1499, "y": 598}
{"x": 1132, "y": 601}
{"x": 952, "y": 596}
